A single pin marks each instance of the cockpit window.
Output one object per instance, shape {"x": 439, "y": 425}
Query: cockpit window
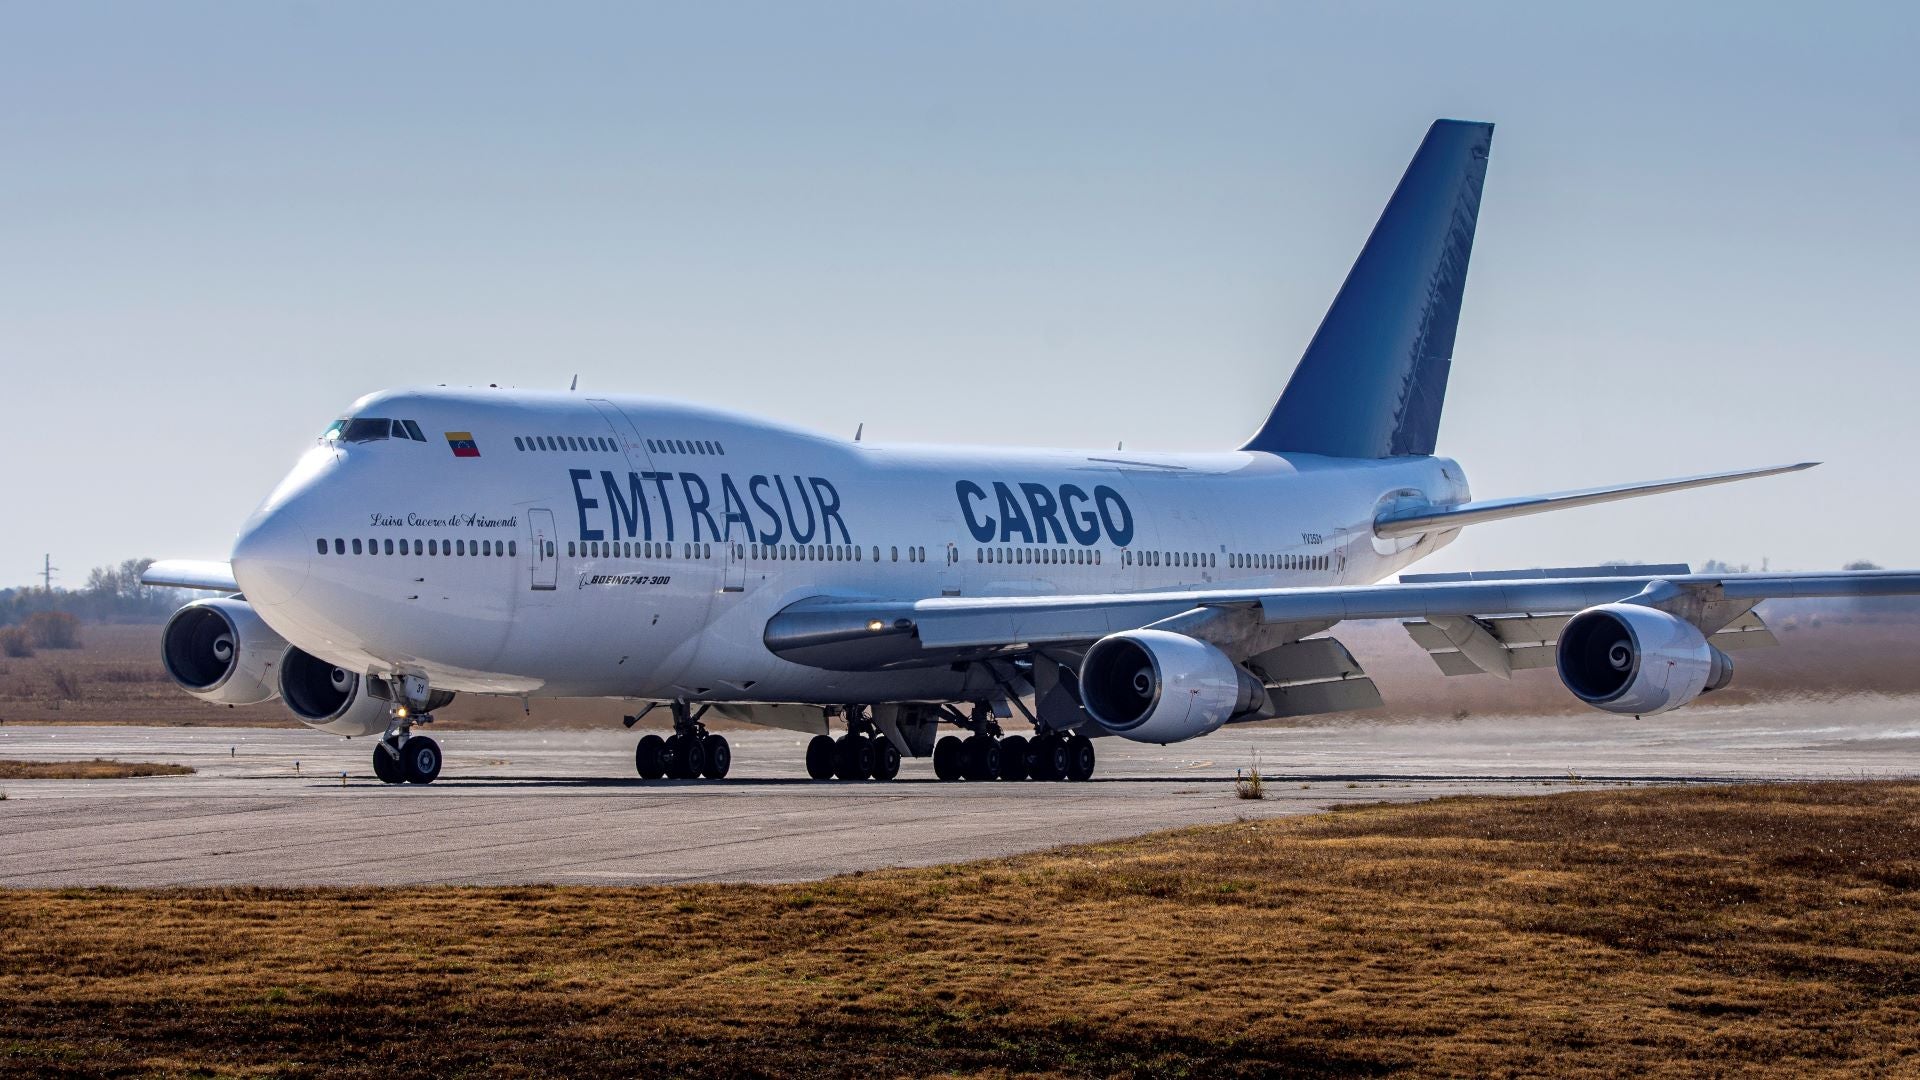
{"x": 365, "y": 429}
{"x": 362, "y": 429}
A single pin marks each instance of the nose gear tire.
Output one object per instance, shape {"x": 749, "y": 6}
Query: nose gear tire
{"x": 420, "y": 757}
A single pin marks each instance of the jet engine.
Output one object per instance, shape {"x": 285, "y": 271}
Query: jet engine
{"x": 1157, "y": 686}
{"x": 220, "y": 651}
{"x": 1625, "y": 658}
{"x": 330, "y": 698}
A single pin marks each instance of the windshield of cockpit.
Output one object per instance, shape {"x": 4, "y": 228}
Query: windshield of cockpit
{"x": 362, "y": 429}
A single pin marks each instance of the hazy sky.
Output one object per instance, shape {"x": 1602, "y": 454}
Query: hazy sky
{"x": 1055, "y": 224}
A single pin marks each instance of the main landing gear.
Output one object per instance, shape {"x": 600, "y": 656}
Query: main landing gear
{"x": 863, "y": 753}
{"x": 986, "y": 754}
{"x": 401, "y": 757}
{"x": 981, "y": 756}
{"x": 690, "y": 753}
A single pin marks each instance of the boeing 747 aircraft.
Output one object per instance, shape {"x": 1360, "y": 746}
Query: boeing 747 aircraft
{"x": 437, "y": 542}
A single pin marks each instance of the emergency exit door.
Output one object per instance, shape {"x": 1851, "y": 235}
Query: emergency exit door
{"x": 543, "y": 549}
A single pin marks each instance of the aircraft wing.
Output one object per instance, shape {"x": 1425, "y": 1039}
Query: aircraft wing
{"x": 868, "y": 635}
{"x": 191, "y": 574}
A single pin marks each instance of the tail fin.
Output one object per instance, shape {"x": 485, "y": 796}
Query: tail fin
{"x": 1375, "y": 375}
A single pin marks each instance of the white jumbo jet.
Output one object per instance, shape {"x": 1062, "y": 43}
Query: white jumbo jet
{"x": 488, "y": 541}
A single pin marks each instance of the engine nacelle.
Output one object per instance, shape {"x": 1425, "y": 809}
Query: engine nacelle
{"x": 220, "y": 651}
{"x": 1157, "y": 686}
{"x": 1625, "y": 658}
{"x": 330, "y": 698}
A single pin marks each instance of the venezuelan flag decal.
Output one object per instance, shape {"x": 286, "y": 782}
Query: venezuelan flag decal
{"x": 463, "y": 444}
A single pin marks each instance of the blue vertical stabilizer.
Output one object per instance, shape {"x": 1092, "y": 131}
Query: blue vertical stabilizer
{"x": 1375, "y": 375}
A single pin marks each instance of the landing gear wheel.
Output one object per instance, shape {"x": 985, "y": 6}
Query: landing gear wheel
{"x": 1047, "y": 758}
{"x": 1013, "y": 757}
{"x": 983, "y": 758}
{"x": 387, "y": 767}
{"x": 650, "y": 757}
{"x": 852, "y": 757}
{"x": 820, "y": 757}
{"x": 1080, "y": 759}
{"x": 886, "y": 758}
{"x": 948, "y": 757}
{"x": 683, "y": 757}
{"x": 420, "y": 758}
{"x": 716, "y": 757}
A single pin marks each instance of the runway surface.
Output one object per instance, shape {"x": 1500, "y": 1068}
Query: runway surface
{"x": 287, "y": 807}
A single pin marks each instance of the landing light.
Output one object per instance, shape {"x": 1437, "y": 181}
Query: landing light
{"x": 401, "y": 712}
{"x": 875, "y": 625}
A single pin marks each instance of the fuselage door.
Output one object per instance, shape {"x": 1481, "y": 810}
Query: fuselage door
{"x": 735, "y": 575}
{"x": 543, "y": 549}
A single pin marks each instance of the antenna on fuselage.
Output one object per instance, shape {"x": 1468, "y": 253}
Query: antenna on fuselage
{"x": 861, "y": 427}
{"x": 575, "y": 384}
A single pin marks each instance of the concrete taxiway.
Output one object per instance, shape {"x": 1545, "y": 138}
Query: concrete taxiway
{"x": 290, "y": 807}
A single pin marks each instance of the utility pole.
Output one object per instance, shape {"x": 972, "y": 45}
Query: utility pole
{"x": 46, "y": 571}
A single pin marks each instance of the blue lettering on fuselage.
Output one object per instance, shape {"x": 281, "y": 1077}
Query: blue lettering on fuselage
{"x": 1035, "y": 514}
{"x": 629, "y": 506}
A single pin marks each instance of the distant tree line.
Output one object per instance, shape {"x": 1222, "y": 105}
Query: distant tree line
{"x": 111, "y": 593}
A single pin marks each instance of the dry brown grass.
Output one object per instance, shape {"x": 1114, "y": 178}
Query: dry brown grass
{"x": 96, "y": 769}
{"x": 1755, "y": 931}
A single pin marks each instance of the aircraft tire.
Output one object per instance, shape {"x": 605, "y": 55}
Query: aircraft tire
{"x": 983, "y": 758}
{"x": 1080, "y": 759}
{"x": 386, "y": 766}
{"x": 420, "y": 757}
{"x": 1013, "y": 757}
{"x": 886, "y": 758}
{"x": 683, "y": 756}
{"x": 852, "y": 757}
{"x": 948, "y": 756}
{"x": 820, "y": 753}
{"x": 1049, "y": 758}
{"x": 716, "y": 757}
{"x": 650, "y": 757}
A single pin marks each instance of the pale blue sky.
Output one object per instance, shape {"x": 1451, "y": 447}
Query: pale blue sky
{"x": 1061, "y": 224}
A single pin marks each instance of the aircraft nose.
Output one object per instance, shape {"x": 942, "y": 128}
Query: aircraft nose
{"x": 271, "y": 558}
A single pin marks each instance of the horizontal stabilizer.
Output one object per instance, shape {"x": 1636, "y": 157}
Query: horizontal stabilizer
{"x": 1633, "y": 570}
{"x": 1414, "y": 520}
{"x": 191, "y": 574}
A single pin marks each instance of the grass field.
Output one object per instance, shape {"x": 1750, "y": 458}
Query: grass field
{"x": 96, "y": 769}
{"x": 1763, "y": 930}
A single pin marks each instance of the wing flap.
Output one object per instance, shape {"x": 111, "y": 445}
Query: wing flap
{"x": 1314, "y": 699}
{"x": 1526, "y": 642}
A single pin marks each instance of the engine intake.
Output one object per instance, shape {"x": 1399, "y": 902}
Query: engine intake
{"x": 1157, "y": 686}
{"x": 330, "y": 698}
{"x": 220, "y": 651}
{"x": 1629, "y": 659}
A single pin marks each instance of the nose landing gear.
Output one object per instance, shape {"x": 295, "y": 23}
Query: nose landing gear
{"x": 690, "y": 753}
{"x": 401, "y": 757}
